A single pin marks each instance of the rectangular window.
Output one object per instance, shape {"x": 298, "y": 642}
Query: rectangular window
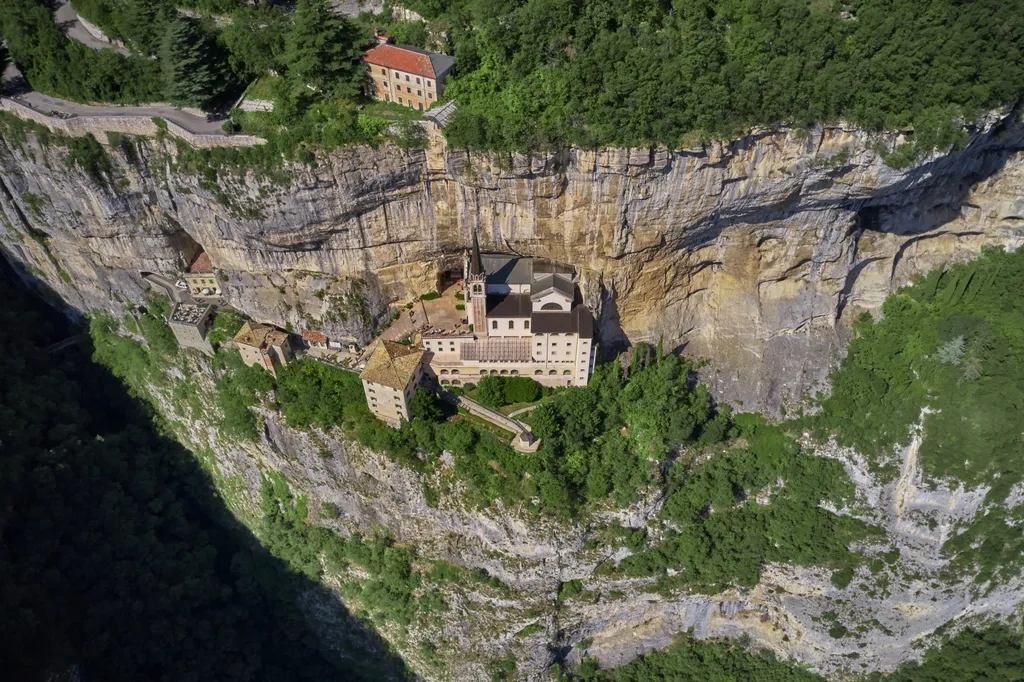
{"x": 406, "y": 76}
{"x": 428, "y": 84}
{"x": 400, "y": 100}
{"x": 420, "y": 106}
{"x": 526, "y": 325}
{"x": 384, "y": 71}
{"x": 419, "y": 93}
{"x": 417, "y": 81}
{"x": 494, "y": 324}
{"x": 553, "y": 344}
{"x": 430, "y": 96}
{"x": 511, "y": 324}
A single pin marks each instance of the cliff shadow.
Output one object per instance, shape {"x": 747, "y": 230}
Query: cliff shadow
{"x": 119, "y": 560}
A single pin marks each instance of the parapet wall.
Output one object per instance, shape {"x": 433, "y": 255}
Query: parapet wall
{"x": 79, "y": 126}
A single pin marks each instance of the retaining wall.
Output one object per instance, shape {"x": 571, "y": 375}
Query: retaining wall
{"x": 79, "y": 126}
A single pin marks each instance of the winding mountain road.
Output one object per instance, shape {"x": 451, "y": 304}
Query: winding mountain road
{"x": 71, "y": 23}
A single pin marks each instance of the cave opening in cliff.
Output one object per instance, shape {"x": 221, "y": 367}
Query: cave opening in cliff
{"x": 187, "y": 247}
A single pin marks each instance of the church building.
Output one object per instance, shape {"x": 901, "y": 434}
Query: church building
{"x": 524, "y": 320}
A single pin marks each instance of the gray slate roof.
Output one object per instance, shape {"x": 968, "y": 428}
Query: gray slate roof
{"x": 441, "y": 113}
{"x": 503, "y": 268}
{"x": 545, "y": 283}
{"x": 441, "y": 63}
{"x": 510, "y": 305}
{"x": 577, "y": 321}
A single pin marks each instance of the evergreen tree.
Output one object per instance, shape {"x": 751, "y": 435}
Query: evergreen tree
{"x": 144, "y": 23}
{"x": 322, "y": 50}
{"x": 190, "y": 77}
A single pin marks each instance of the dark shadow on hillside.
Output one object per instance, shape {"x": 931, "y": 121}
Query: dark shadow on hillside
{"x": 118, "y": 559}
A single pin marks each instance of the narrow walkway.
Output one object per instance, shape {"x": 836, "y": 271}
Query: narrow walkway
{"x": 524, "y": 440}
{"x": 523, "y": 410}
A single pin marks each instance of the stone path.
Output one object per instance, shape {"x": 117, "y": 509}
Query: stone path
{"x": 523, "y": 410}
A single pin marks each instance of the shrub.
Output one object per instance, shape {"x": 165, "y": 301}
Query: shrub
{"x": 430, "y": 296}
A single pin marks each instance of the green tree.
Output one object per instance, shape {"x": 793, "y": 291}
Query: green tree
{"x": 191, "y": 76}
{"x": 322, "y": 50}
{"x": 425, "y": 405}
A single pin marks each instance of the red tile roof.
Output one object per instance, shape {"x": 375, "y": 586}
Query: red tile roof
{"x": 201, "y": 263}
{"x": 399, "y": 58}
{"x": 315, "y": 337}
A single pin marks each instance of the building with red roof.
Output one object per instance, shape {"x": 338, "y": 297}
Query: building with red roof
{"x": 407, "y": 75}
{"x": 200, "y": 277}
{"x": 314, "y": 339}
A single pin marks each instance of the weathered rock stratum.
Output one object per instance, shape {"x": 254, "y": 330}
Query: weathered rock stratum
{"x": 755, "y": 253}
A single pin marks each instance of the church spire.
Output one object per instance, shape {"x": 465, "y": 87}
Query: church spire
{"x": 476, "y": 265}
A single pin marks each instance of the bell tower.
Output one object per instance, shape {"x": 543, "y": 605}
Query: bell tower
{"x": 476, "y": 290}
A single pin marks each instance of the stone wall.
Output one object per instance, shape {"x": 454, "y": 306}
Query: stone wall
{"x": 79, "y": 126}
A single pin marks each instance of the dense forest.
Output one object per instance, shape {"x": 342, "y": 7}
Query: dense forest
{"x": 118, "y": 561}
{"x": 534, "y": 74}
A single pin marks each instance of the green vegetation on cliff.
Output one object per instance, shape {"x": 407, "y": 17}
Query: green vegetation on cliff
{"x": 948, "y": 354}
{"x": 538, "y": 74}
{"x": 994, "y": 655}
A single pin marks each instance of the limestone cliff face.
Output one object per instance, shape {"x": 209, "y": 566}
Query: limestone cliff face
{"x": 754, "y": 254}
{"x": 891, "y": 611}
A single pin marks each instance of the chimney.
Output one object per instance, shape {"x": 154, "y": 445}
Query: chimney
{"x": 382, "y": 37}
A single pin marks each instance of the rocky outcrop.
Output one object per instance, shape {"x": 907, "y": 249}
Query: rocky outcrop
{"x": 754, "y": 254}
{"x": 898, "y": 603}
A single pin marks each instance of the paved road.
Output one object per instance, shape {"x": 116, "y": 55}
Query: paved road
{"x": 65, "y": 15}
{"x": 174, "y": 293}
{"x": 68, "y": 20}
{"x": 191, "y": 122}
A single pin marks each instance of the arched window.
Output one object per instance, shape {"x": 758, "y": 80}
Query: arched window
{"x": 538, "y": 373}
{"x": 456, "y": 382}
{"x": 444, "y": 371}
{"x": 504, "y": 371}
{"x": 455, "y": 371}
{"x": 554, "y": 333}
{"x": 566, "y": 373}
{"x": 514, "y": 372}
{"x": 445, "y": 382}
{"x": 552, "y": 373}
{"x": 551, "y": 306}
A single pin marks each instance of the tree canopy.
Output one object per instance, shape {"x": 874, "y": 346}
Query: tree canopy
{"x": 634, "y": 72}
